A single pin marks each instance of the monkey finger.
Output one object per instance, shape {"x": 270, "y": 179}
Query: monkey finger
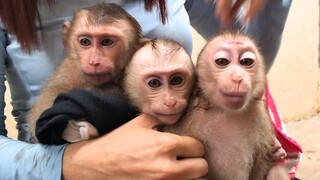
{"x": 192, "y": 168}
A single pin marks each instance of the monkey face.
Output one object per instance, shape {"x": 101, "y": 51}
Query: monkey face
{"x": 167, "y": 95}
{"x": 103, "y": 50}
{"x": 227, "y": 70}
{"x": 159, "y": 80}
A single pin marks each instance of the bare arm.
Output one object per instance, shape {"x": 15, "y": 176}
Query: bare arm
{"x": 137, "y": 151}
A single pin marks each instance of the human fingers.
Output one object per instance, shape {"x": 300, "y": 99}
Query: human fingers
{"x": 145, "y": 121}
{"x": 188, "y": 147}
{"x": 235, "y": 7}
{"x": 192, "y": 168}
{"x": 222, "y": 11}
{"x": 185, "y": 157}
{"x": 253, "y": 10}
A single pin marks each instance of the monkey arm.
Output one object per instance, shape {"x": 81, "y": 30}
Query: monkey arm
{"x": 104, "y": 112}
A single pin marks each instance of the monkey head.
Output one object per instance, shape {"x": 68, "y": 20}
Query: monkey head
{"x": 103, "y": 39}
{"x": 230, "y": 71}
{"x": 159, "y": 80}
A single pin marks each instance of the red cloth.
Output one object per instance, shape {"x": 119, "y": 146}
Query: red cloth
{"x": 288, "y": 144}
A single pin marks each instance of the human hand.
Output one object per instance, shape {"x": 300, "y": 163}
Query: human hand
{"x": 226, "y": 10}
{"x": 136, "y": 151}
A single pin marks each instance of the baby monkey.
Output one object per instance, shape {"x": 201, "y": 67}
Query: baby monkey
{"x": 228, "y": 113}
{"x": 100, "y": 41}
{"x": 159, "y": 80}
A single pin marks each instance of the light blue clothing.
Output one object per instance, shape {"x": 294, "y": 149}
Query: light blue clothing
{"x": 26, "y": 73}
{"x": 29, "y": 161}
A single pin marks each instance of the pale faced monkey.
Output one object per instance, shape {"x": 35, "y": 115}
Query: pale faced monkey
{"x": 229, "y": 114}
{"x": 100, "y": 41}
{"x": 159, "y": 80}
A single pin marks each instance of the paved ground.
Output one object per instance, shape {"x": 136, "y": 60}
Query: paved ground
{"x": 307, "y": 133}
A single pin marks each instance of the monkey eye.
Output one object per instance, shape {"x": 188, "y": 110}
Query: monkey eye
{"x": 222, "y": 62}
{"x": 176, "y": 80}
{"x": 107, "y": 42}
{"x": 84, "y": 41}
{"x": 154, "y": 83}
{"x": 246, "y": 62}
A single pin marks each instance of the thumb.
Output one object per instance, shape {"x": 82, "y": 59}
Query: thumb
{"x": 146, "y": 121}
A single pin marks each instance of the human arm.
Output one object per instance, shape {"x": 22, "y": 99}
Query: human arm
{"x": 20, "y": 160}
{"x": 136, "y": 151}
{"x": 133, "y": 151}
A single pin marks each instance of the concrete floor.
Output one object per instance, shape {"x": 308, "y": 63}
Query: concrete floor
{"x": 307, "y": 133}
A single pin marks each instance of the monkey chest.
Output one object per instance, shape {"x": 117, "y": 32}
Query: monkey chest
{"x": 230, "y": 148}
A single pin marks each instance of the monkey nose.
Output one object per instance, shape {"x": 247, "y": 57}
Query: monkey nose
{"x": 170, "y": 101}
{"x": 94, "y": 61}
{"x": 237, "y": 78}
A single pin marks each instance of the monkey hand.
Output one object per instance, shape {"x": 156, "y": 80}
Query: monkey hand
{"x": 78, "y": 131}
{"x": 136, "y": 151}
{"x": 278, "y": 153}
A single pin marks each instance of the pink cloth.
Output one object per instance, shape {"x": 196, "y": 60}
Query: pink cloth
{"x": 292, "y": 148}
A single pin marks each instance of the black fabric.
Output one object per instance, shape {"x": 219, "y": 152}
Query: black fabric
{"x": 102, "y": 111}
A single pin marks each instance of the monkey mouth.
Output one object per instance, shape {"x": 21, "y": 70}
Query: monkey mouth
{"x": 234, "y": 94}
{"x": 168, "y": 118}
{"x": 99, "y": 78}
{"x": 234, "y": 100}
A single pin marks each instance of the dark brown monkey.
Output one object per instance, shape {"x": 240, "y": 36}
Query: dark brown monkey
{"x": 159, "y": 80}
{"x": 100, "y": 41}
{"x": 229, "y": 114}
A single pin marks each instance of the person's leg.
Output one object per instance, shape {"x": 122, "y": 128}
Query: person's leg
{"x": 25, "y": 74}
{"x": 3, "y": 57}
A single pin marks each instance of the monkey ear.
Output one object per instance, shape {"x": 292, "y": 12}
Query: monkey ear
{"x": 65, "y": 29}
{"x": 142, "y": 42}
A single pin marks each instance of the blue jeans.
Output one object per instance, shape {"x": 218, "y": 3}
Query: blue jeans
{"x": 3, "y": 57}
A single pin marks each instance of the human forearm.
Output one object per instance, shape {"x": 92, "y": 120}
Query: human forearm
{"x": 20, "y": 160}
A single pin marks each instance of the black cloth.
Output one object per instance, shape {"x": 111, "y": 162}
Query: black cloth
{"x": 102, "y": 111}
